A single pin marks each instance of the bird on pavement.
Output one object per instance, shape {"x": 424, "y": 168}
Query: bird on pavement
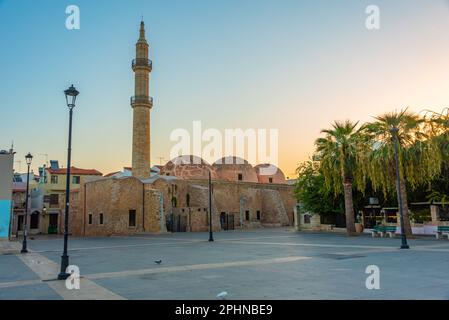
{"x": 222, "y": 295}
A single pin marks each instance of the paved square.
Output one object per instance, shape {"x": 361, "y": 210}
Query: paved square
{"x": 259, "y": 264}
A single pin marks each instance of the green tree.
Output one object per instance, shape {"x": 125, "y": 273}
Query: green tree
{"x": 438, "y": 130}
{"x": 311, "y": 192}
{"x": 338, "y": 155}
{"x": 419, "y": 156}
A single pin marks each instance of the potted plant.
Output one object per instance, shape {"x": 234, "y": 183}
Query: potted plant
{"x": 359, "y": 225}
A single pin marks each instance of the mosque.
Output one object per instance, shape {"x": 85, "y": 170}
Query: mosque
{"x": 175, "y": 197}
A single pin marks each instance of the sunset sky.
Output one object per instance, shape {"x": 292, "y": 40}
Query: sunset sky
{"x": 292, "y": 65}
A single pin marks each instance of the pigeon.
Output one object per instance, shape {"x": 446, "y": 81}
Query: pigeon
{"x": 222, "y": 295}
{"x": 158, "y": 261}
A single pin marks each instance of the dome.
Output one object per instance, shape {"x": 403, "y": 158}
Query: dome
{"x": 188, "y": 167}
{"x": 235, "y": 169}
{"x": 268, "y": 173}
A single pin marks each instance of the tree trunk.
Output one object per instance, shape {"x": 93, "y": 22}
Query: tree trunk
{"x": 403, "y": 191}
{"x": 349, "y": 208}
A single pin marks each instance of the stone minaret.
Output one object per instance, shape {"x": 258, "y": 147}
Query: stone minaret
{"x": 141, "y": 104}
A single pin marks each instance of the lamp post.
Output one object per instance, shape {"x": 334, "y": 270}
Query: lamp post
{"x": 394, "y": 132}
{"x": 29, "y": 159}
{"x": 70, "y": 96}
{"x": 211, "y": 235}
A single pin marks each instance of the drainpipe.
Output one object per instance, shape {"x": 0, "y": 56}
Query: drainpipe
{"x": 143, "y": 206}
{"x": 84, "y": 209}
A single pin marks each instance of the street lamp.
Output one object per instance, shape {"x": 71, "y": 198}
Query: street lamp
{"x": 29, "y": 159}
{"x": 394, "y": 133}
{"x": 211, "y": 236}
{"x": 70, "y": 96}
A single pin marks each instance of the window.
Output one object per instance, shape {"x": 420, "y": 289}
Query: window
{"x": 54, "y": 179}
{"x": 54, "y": 198}
{"x": 258, "y": 214}
{"x": 270, "y": 180}
{"x": 90, "y": 218}
{"x": 132, "y": 218}
{"x": 247, "y": 215}
{"x": 101, "y": 219}
{"x": 76, "y": 180}
{"x": 188, "y": 200}
{"x": 240, "y": 177}
{"x": 306, "y": 219}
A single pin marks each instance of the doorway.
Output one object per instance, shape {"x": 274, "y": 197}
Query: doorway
{"x": 34, "y": 220}
{"x": 226, "y": 221}
{"x": 53, "y": 223}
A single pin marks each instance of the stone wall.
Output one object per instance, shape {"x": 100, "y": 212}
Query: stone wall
{"x": 274, "y": 209}
{"x": 253, "y": 205}
{"x": 115, "y": 199}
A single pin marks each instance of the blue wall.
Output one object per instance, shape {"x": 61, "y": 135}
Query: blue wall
{"x": 5, "y": 216}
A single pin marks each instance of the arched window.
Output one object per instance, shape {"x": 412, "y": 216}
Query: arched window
{"x": 188, "y": 200}
{"x": 173, "y": 202}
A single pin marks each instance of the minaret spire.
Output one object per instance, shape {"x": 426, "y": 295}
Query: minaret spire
{"x": 142, "y": 30}
{"x": 141, "y": 104}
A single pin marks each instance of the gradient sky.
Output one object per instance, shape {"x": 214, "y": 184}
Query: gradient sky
{"x": 287, "y": 64}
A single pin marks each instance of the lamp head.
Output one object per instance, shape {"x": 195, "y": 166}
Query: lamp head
{"x": 70, "y": 96}
{"x": 28, "y": 158}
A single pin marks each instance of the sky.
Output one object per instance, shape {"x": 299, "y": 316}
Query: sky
{"x": 291, "y": 65}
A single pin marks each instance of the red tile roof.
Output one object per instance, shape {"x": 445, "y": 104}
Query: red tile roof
{"x": 19, "y": 187}
{"x": 78, "y": 171}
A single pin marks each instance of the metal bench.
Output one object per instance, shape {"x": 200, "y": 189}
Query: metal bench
{"x": 382, "y": 231}
{"x": 378, "y": 230}
{"x": 390, "y": 231}
{"x": 442, "y": 231}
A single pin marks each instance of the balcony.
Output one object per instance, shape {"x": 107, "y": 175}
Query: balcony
{"x": 142, "y": 100}
{"x": 142, "y": 63}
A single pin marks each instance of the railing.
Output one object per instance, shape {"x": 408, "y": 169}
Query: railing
{"x": 142, "y": 63}
{"x": 142, "y": 100}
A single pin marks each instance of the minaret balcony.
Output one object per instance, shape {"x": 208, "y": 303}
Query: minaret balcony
{"x": 142, "y": 100}
{"x": 142, "y": 63}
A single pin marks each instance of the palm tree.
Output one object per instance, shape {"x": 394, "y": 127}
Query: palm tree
{"x": 337, "y": 153}
{"x": 419, "y": 157}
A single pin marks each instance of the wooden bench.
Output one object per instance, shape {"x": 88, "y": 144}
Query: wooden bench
{"x": 442, "y": 231}
{"x": 383, "y": 230}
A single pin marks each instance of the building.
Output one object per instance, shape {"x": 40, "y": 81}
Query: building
{"x": 35, "y": 204}
{"x": 175, "y": 196}
{"x": 6, "y": 180}
{"x": 51, "y": 188}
